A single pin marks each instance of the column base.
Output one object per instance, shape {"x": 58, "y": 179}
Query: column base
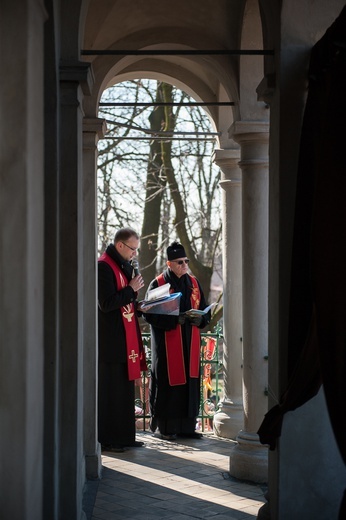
{"x": 249, "y": 459}
{"x": 264, "y": 512}
{"x": 229, "y": 420}
{"x": 93, "y": 464}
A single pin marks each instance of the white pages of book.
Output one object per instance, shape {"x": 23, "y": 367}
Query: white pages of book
{"x": 158, "y": 292}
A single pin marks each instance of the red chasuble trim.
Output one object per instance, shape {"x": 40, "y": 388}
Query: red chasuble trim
{"x": 175, "y": 357}
{"x": 134, "y": 345}
{"x": 174, "y": 343}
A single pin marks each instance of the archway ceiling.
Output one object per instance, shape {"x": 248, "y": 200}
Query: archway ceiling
{"x": 139, "y": 25}
{"x": 108, "y": 21}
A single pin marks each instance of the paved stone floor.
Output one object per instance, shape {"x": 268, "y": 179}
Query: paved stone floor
{"x": 180, "y": 480}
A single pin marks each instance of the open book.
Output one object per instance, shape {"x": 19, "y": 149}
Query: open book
{"x": 196, "y": 312}
{"x": 159, "y": 292}
{"x": 160, "y": 301}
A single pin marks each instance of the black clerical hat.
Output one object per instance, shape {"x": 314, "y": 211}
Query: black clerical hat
{"x": 175, "y": 250}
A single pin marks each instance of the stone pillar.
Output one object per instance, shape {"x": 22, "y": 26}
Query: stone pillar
{"x": 93, "y": 129}
{"x": 249, "y": 458}
{"x": 230, "y": 419}
{"x": 51, "y": 273}
{"x": 74, "y": 82}
{"x": 21, "y": 260}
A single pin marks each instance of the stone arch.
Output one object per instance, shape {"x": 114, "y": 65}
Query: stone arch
{"x": 204, "y": 80}
{"x": 182, "y": 29}
{"x": 53, "y": 191}
{"x": 207, "y": 78}
{"x": 172, "y": 79}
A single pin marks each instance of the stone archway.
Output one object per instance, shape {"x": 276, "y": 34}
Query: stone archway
{"x": 207, "y": 77}
{"x": 46, "y": 76}
{"x": 93, "y": 129}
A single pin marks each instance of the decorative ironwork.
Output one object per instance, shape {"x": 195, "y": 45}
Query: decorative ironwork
{"x": 210, "y": 380}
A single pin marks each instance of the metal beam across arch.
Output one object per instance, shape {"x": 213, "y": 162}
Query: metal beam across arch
{"x": 169, "y": 104}
{"x": 177, "y": 52}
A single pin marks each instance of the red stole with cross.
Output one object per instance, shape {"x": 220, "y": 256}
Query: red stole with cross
{"x": 174, "y": 342}
{"x": 134, "y": 345}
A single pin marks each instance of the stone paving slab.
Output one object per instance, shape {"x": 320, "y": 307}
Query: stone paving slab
{"x": 185, "y": 479}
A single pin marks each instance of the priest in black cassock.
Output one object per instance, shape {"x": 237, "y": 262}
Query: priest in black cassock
{"x": 175, "y": 345}
{"x": 121, "y": 355}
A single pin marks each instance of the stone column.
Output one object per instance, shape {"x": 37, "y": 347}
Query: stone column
{"x": 230, "y": 419}
{"x": 93, "y": 129}
{"x": 75, "y": 79}
{"x": 249, "y": 458}
{"x": 22, "y": 309}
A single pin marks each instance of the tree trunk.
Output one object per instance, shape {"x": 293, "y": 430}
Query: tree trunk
{"x": 202, "y": 272}
{"x": 154, "y": 189}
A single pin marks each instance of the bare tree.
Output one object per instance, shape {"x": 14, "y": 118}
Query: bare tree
{"x": 203, "y": 272}
{"x": 155, "y": 187}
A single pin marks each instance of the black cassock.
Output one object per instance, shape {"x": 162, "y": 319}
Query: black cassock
{"x": 174, "y": 409}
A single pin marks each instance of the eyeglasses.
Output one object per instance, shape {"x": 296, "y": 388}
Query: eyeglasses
{"x": 132, "y": 248}
{"x": 181, "y": 262}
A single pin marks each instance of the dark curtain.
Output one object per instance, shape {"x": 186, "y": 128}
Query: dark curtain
{"x": 317, "y": 320}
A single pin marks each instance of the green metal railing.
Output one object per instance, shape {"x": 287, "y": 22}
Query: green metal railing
{"x": 210, "y": 383}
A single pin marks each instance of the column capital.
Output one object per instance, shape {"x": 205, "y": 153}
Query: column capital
{"x": 253, "y": 137}
{"x": 249, "y": 131}
{"x": 95, "y": 125}
{"x": 228, "y": 162}
{"x": 225, "y": 155}
{"x": 78, "y": 72}
{"x": 266, "y": 88}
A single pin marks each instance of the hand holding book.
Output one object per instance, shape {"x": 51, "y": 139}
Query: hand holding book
{"x": 192, "y": 313}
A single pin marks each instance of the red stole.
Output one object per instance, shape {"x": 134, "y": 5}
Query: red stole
{"x": 174, "y": 343}
{"x": 134, "y": 346}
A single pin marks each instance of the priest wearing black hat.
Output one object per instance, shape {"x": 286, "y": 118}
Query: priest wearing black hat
{"x": 175, "y": 346}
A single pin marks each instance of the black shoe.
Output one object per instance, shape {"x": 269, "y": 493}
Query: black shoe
{"x": 153, "y": 424}
{"x": 112, "y": 447}
{"x": 135, "y": 444}
{"x": 194, "y": 435}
